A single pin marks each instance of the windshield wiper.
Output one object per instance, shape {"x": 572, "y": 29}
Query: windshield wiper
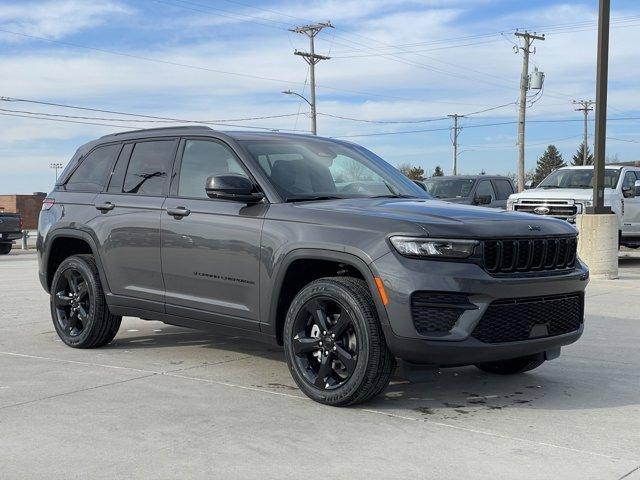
{"x": 549, "y": 186}
{"x": 394, "y": 195}
{"x": 311, "y": 198}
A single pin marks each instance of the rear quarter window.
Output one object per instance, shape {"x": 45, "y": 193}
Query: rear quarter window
{"x": 93, "y": 171}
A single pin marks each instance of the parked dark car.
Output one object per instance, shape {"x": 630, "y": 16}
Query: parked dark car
{"x": 490, "y": 191}
{"x": 314, "y": 244}
{"x": 10, "y": 230}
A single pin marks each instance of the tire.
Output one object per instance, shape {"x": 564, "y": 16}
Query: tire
{"x": 78, "y": 307}
{"x": 5, "y": 248}
{"x": 512, "y": 366}
{"x": 357, "y": 363}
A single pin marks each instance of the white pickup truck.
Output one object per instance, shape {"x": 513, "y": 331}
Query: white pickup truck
{"x": 568, "y": 191}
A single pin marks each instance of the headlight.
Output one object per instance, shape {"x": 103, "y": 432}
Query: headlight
{"x": 510, "y": 204}
{"x": 433, "y": 247}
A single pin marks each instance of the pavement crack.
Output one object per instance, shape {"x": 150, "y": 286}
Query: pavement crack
{"x": 628, "y": 474}
{"x": 95, "y": 387}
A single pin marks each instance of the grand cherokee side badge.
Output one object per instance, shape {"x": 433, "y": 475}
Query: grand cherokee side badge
{"x": 535, "y": 228}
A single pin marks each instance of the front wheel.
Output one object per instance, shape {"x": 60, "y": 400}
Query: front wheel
{"x": 5, "y": 248}
{"x": 78, "y": 306}
{"x": 512, "y": 366}
{"x": 333, "y": 342}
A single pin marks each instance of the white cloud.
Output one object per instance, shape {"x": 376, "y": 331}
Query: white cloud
{"x": 56, "y": 19}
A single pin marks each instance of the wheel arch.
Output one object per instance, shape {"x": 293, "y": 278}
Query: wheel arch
{"x": 326, "y": 260}
{"x": 62, "y": 244}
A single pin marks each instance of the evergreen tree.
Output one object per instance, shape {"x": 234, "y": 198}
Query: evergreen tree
{"x": 550, "y": 161}
{"x": 438, "y": 172}
{"x": 579, "y": 155}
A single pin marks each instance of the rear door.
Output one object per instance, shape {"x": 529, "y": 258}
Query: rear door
{"x": 631, "y": 217}
{"x": 128, "y": 220}
{"x": 503, "y": 189}
{"x": 210, "y": 252}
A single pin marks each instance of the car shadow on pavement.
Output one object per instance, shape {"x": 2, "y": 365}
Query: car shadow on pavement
{"x": 433, "y": 394}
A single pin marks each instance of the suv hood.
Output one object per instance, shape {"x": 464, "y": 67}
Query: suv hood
{"x": 437, "y": 218}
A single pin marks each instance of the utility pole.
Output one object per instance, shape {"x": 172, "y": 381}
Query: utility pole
{"x": 454, "y": 139}
{"x": 56, "y": 167}
{"x": 602, "y": 80}
{"x": 586, "y": 107}
{"x": 528, "y": 39}
{"x": 311, "y": 57}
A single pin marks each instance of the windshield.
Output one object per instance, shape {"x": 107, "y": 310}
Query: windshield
{"x": 318, "y": 169}
{"x": 579, "y": 178}
{"x": 449, "y": 188}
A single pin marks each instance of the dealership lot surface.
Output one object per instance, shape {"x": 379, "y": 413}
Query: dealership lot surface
{"x": 166, "y": 402}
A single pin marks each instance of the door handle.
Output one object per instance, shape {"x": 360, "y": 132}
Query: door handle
{"x": 105, "y": 207}
{"x": 178, "y": 212}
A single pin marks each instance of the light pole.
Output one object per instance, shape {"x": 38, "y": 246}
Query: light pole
{"x": 56, "y": 167}
{"x": 313, "y": 123}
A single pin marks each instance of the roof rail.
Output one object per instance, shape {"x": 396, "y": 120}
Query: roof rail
{"x": 158, "y": 129}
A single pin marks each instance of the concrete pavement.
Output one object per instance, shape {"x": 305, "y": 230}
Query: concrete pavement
{"x": 166, "y": 402}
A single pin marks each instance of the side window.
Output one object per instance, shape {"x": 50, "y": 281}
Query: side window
{"x": 629, "y": 180}
{"x": 149, "y": 168}
{"x": 91, "y": 175}
{"x": 504, "y": 189}
{"x": 485, "y": 189}
{"x": 202, "y": 159}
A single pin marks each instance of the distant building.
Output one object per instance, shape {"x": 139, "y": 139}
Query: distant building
{"x": 635, "y": 163}
{"x": 26, "y": 205}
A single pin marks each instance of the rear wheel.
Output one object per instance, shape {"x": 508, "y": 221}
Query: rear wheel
{"x": 334, "y": 345}
{"x": 512, "y": 366}
{"x": 78, "y": 307}
{"x": 5, "y": 248}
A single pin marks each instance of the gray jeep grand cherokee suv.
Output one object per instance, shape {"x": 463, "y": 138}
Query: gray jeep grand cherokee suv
{"x": 311, "y": 243}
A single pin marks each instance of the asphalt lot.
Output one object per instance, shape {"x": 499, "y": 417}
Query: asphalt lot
{"x": 166, "y": 402}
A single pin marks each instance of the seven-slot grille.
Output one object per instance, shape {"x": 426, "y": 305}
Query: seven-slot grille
{"x": 529, "y": 255}
{"x": 520, "y": 319}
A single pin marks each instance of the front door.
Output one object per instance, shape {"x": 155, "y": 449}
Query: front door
{"x": 210, "y": 247}
{"x": 631, "y": 217}
{"x": 485, "y": 189}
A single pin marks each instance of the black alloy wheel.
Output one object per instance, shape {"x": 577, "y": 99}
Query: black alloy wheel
{"x": 79, "y": 309}
{"x": 334, "y": 343}
{"x": 72, "y": 302}
{"x": 326, "y": 343}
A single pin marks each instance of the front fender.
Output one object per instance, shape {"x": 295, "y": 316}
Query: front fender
{"x": 272, "y": 284}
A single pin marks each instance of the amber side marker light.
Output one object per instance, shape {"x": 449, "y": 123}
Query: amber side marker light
{"x": 381, "y": 291}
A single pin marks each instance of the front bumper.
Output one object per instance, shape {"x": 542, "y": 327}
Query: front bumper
{"x": 402, "y": 277}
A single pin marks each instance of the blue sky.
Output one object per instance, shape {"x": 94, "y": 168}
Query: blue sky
{"x": 392, "y": 60}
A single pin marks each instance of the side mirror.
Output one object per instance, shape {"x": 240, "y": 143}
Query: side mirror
{"x": 232, "y": 187}
{"x": 482, "y": 200}
{"x": 528, "y": 185}
{"x": 636, "y": 187}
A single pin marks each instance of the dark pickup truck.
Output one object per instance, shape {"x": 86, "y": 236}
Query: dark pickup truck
{"x": 485, "y": 190}
{"x": 10, "y": 230}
